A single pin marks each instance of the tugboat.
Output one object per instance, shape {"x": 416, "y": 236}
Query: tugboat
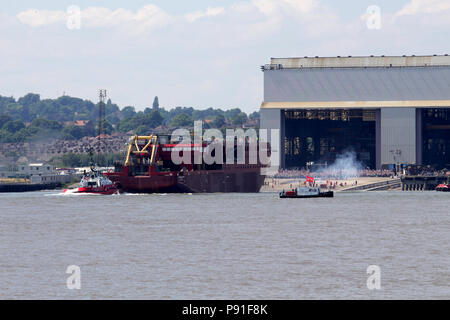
{"x": 94, "y": 183}
{"x": 443, "y": 187}
{"x": 306, "y": 192}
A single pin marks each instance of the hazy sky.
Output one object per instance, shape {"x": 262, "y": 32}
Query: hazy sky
{"x": 196, "y": 53}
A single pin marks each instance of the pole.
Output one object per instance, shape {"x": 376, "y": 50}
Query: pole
{"x": 101, "y": 119}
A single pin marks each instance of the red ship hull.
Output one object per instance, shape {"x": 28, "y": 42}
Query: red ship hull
{"x": 244, "y": 179}
{"x": 144, "y": 184}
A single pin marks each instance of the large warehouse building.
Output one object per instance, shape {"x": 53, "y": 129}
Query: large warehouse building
{"x": 388, "y": 110}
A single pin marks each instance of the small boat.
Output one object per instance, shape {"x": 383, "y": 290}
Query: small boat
{"x": 443, "y": 187}
{"x": 94, "y": 183}
{"x": 306, "y": 192}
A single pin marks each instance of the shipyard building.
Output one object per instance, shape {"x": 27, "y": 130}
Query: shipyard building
{"x": 389, "y": 111}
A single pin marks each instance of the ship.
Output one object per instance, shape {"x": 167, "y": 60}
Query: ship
{"x": 306, "y": 192}
{"x": 445, "y": 187}
{"x": 148, "y": 168}
{"x": 94, "y": 182}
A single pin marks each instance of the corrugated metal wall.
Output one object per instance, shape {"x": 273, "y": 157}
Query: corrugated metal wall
{"x": 398, "y": 135}
{"x": 274, "y": 119}
{"x": 357, "y": 84}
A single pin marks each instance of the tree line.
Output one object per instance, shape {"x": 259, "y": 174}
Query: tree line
{"x": 31, "y": 118}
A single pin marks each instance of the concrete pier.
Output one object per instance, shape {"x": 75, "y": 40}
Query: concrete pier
{"x": 422, "y": 183}
{"x": 26, "y": 187}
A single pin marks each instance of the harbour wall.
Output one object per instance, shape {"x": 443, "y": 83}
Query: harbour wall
{"x": 25, "y": 187}
{"x": 422, "y": 183}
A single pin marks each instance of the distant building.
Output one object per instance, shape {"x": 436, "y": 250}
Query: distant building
{"x": 36, "y": 169}
{"x": 388, "y": 110}
{"x": 78, "y": 123}
{"x": 38, "y": 172}
{"x": 46, "y": 173}
{"x": 5, "y": 171}
{"x": 81, "y": 123}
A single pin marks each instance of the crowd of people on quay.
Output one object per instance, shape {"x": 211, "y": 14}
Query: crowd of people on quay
{"x": 294, "y": 173}
{"x": 331, "y": 178}
{"x": 425, "y": 171}
{"x": 313, "y": 182}
{"x": 331, "y": 174}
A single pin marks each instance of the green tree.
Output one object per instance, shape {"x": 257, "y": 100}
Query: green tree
{"x": 15, "y": 111}
{"x": 230, "y": 114}
{"x": 126, "y": 125}
{"x": 181, "y": 120}
{"x": 219, "y": 121}
{"x": 72, "y": 132}
{"x": 6, "y": 136}
{"x": 239, "y": 119}
{"x": 111, "y": 108}
{"x": 178, "y": 110}
{"x": 29, "y": 99}
{"x": 4, "y": 101}
{"x": 46, "y": 124}
{"x": 128, "y": 112}
{"x": 113, "y": 118}
{"x": 21, "y": 135}
{"x": 89, "y": 129}
{"x": 4, "y": 118}
{"x": 254, "y": 115}
{"x": 155, "y": 118}
{"x": 107, "y": 127}
{"x": 156, "y": 103}
{"x": 142, "y": 130}
{"x": 13, "y": 126}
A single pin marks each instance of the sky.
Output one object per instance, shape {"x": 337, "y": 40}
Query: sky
{"x": 198, "y": 53}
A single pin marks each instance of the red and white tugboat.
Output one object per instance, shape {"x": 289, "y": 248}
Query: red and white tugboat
{"x": 94, "y": 183}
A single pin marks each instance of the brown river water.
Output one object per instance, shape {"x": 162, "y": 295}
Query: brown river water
{"x": 225, "y": 246}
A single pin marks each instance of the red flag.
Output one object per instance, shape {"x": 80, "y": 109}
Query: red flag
{"x": 309, "y": 179}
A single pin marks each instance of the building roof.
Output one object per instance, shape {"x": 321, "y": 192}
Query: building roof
{"x": 359, "y": 62}
{"x": 360, "y": 82}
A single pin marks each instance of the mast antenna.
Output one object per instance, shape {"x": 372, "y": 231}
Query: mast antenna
{"x": 101, "y": 121}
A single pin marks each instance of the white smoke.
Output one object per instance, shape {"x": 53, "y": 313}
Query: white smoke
{"x": 345, "y": 166}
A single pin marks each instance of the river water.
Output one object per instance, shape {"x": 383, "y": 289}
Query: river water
{"x": 225, "y": 246}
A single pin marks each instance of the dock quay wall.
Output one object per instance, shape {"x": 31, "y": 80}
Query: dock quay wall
{"x": 422, "y": 183}
{"x": 25, "y": 187}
